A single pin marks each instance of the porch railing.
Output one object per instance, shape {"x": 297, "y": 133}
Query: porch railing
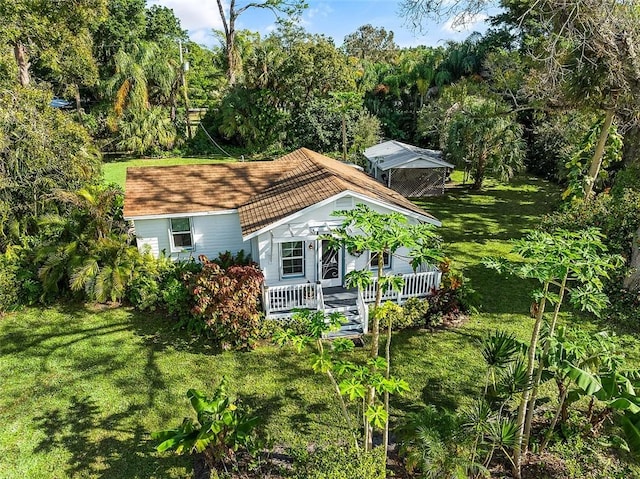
{"x": 291, "y": 296}
{"x": 415, "y": 286}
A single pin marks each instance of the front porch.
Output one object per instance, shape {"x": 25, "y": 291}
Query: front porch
{"x": 280, "y": 301}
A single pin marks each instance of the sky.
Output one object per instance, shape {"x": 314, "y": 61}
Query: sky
{"x": 334, "y": 18}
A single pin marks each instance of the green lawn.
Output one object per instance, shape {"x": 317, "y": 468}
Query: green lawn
{"x": 81, "y": 390}
{"x": 116, "y": 171}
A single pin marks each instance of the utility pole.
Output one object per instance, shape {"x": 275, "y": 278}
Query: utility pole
{"x": 184, "y": 68}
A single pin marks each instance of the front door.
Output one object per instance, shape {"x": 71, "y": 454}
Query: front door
{"x": 330, "y": 265}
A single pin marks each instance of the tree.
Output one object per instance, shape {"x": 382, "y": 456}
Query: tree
{"x": 87, "y": 249}
{"x": 370, "y": 43}
{"x": 41, "y": 150}
{"x": 344, "y": 102}
{"x": 576, "y": 263}
{"x": 460, "y": 12}
{"x": 364, "y": 229}
{"x": 144, "y": 82}
{"x": 230, "y": 14}
{"x": 123, "y": 27}
{"x": 317, "y": 125}
{"x": 43, "y": 30}
{"x": 312, "y": 68}
{"x": 162, "y": 25}
{"x": 482, "y": 136}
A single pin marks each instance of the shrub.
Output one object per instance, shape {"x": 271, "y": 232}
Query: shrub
{"x": 228, "y": 302}
{"x": 415, "y": 312}
{"x": 393, "y": 312}
{"x": 9, "y": 288}
{"x": 455, "y": 296}
{"x": 228, "y": 259}
{"x": 144, "y": 289}
{"x": 430, "y": 441}
{"x": 338, "y": 462}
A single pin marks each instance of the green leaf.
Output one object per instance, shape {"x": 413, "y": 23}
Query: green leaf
{"x": 376, "y": 416}
{"x": 321, "y": 363}
{"x": 583, "y": 379}
{"x": 631, "y": 427}
{"x": 624, "y": 404}
{"x": 198, "y": 400}
{"x": 353, "y": 389}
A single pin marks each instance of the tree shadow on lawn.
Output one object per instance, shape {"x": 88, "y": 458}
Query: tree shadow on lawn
{"x": 102, "y": 446}
{"x": 493, "y": 213}
{"x": 160, "y": 332}
{"x": 36, "y": 344}
{"x": 498, "y": 293}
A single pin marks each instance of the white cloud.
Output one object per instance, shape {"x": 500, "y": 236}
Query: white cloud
{"x": 463, "y": 22}
{"x": 322, "y": 10}
{"x": 199, "y": 17}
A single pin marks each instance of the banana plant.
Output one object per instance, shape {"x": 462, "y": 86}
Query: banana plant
{"x": 221, "y": 428}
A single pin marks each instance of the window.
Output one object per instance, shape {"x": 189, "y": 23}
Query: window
{"x": 386, "y": 260}
{"x": 292, "y": 258}
{"x": 181, "y": 233}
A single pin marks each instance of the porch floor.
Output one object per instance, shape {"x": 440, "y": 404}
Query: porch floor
{"x": 339, "y": 297}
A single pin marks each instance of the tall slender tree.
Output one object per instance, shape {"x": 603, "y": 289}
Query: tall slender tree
{"x": 229, "y": 15}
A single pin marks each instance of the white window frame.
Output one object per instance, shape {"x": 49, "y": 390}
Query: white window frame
{"x": 283, "y": 259}
{"x": 385, "y": 265}
{"x": 177, "y": 249}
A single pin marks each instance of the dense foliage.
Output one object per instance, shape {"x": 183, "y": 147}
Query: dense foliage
{"x": 228, "y": 301}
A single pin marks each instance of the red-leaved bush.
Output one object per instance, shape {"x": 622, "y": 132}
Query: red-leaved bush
{"x": 227, "y": 300}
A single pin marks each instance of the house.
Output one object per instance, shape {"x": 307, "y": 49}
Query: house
{"x": 277, "y": 211}
{"x": 411, "y": 171}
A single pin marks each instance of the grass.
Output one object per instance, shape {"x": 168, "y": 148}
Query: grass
{"x": 82, "y": 389}
{"x": 116, "y": 171}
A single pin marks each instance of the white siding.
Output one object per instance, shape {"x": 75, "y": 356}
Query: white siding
{"x": 211, "y": 235}
{"x": 304, "y": 227}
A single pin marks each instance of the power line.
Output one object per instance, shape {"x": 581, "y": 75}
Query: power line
{"x": 214, "y": 141}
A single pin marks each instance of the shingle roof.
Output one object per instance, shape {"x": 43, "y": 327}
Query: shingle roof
{"x": 395, "y": 154}
{"x": 263, "y": 192}
{"x": 195, "y": 188}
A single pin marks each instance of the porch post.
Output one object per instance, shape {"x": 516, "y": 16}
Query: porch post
{"x": 265, "y": 300}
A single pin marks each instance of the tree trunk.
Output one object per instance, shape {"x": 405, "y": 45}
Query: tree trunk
{"x": 563, "y": 389}
{"x": 20, "y": 53}
{"x": 231, "y": 56}
{"x": 479, "y": 173}
{"x": 76, "y": 90}
{"x": 596, "y": 159}
{"x": 344, "y": 137}
{"x": 230, "y": 38}
{"x": 522, "y": 409}
{"x": 387, "y": 373}
{"x": 632, "y": 282}
{"x": 375, "y": 342}
{"x": 534, "y": 393}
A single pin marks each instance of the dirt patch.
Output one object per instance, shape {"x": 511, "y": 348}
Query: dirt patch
{"x": 544, "y": 466}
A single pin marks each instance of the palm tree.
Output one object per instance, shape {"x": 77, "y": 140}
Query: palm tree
{"x": 88, "y": 248}
{"x": 143, "y": 76}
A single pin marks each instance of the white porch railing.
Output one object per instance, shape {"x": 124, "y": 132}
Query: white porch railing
{"x": 291, "y": 296}
{"x": 415, "y": 286}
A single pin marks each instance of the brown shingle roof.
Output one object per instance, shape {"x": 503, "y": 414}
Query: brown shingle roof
{"x": 195, "y": 188}
{"x": 263, "y": 192}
